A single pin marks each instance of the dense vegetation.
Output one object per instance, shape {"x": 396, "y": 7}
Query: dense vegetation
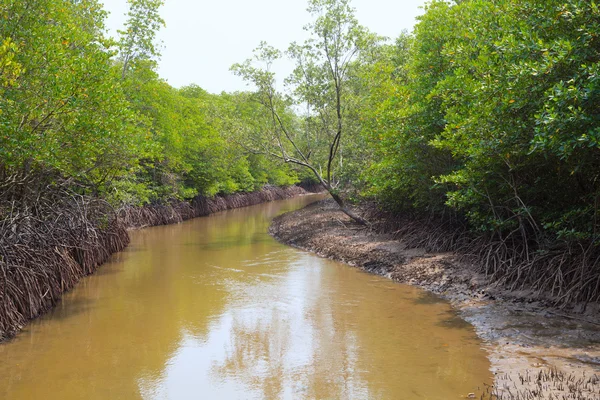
{"x": 485, "y": 117}
{"x": 490, "y": 111}
{"x": 78, "y": 106}
{"x": 495, "y": 114}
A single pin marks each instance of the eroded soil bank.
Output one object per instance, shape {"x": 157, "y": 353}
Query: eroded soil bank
{"x": 536, "y": 351}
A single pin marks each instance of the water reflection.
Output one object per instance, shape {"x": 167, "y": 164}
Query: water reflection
{"x": 214, "y": 308}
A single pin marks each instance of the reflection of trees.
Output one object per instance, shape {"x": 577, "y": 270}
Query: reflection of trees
{"x": 289, "y": 344}
{"x": 348, "y": 339}
{"x": 403, "y": 348}
{"x": 256, "y": 359}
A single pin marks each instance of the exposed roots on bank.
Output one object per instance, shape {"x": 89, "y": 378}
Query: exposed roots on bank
{"x": 564, "y": 273}
{"x": 51, "y": 237}
{"x": 175, "y": 212}
{"x": 47, "y": 244}
{"x": 549, "y": 384}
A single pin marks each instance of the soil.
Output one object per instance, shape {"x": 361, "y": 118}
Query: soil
{"x": 536, "y": 351}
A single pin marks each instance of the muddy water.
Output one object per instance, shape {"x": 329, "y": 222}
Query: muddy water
{"x": 215, "y": 308}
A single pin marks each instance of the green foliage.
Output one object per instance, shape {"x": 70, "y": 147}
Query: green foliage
{"x": 93, "y": 112}
{"x": 10, "y": 69}
{"x": 138, "y": 39}
{"x": 488, "y": 107}
{"x": 403, "y": 116}
{"x": 61, "y": 105}
{"x": 488, "y": 110}
{"x": 491, "y": 109}
{"x": 312, "y": 124}
{"x": 521, "y": 116}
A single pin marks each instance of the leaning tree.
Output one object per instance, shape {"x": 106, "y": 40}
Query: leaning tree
{"x": 307, "y": 125}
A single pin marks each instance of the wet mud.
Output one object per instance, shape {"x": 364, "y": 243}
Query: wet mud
{"x": 536, "y": 351}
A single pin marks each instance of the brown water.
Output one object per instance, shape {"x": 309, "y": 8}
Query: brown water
{"x": 215, "y": 308}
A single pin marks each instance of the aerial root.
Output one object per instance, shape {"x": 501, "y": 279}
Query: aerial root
{"x": 46, "y": 245}
{"x": 564, "y": 273}
{"x": 546, "y": 384}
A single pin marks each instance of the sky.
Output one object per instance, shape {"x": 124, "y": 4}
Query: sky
{"x": 202, "y": 38}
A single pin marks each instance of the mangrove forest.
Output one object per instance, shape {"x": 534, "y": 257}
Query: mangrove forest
{"x": 477, "y": 133}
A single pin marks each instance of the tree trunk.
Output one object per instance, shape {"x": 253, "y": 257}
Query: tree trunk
{"x": 346, "y": 210}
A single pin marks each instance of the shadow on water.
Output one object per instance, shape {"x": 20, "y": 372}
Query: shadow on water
{"x": 106, "y": 270}
{"x": 71, "y": 307}
{"x": 428, "y": 298}
{"x": 447, "y": 319}
{"x": 128, "y": 249}
{"x": 451, "y": 320}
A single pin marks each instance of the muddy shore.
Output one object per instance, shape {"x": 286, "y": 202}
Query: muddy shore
{"x": 535, "y": 349}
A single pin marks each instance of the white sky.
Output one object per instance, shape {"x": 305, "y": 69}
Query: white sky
{"x": 204, "y": 38}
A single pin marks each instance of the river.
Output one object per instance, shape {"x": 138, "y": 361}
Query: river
{"x": 214, "y": 308}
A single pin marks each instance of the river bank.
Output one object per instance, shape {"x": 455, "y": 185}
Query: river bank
{"x": 201, "y": 206}
{"x": 215, "y": 306}
{"x": 45, "y": 254}
{"x": 535, "y": 350}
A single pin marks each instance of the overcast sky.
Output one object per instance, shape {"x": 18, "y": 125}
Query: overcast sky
{"x": 204, "y": 38}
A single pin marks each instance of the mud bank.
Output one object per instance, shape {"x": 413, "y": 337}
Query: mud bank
{"x": 47, "y": 250}
{"x": 536, "y": 351}
{"x": 176, "y": 212}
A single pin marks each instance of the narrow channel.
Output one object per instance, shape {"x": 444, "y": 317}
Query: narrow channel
{"x": 216, "y": 308}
